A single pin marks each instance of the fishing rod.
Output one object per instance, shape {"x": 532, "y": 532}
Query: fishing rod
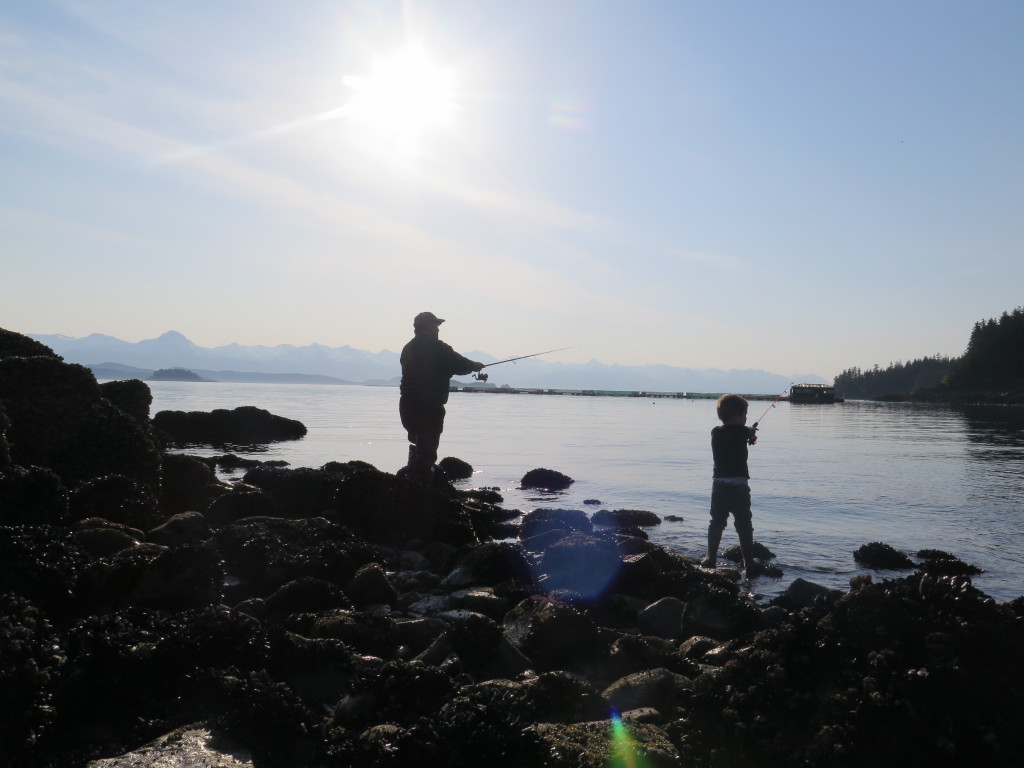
{"x": 483, "y": 376}
{"x": 753, "y": 428}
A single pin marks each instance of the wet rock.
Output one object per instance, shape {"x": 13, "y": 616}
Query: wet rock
{"x": 720, "y": 615}
{"x": 306, "y": 595}
{"x": 490, "y": 564}
{"x": 31, "y": 658}
{"x": 132, "y": 396}
{"x": 388, "y": 510}
{"x": 195, "y": 747}
{"x": 370, "y": 586}
{"x": 909, "y": 658}
{"x": 159, "y": 578}
{"x": 183, "y": 528}
{"x": 760, "y": 552}
{"x": 803, "y": 594}
{"x": 559, "y": 697}
{"x": 481, "y": 600}
{"x": 244, "y": 425}
{"x": 242, "y": 501}
{"x": 189, "y": 484}
{"x": 546, "y": 480}
{"x": 552, "y": 635}
{"x": 474, "y": 644}
{"x": 32, "y": 496}
{"x": 587, "y": 745}
{"x": 18, "y": 345}
{"x": 541, "y": 521}
{"x": 632, "y": 653}
{"x": 939, "y": 563}
{"x": 399, "y": 693}
{"x": 42, "y": 564}
{"x": 697, "y": 646}
{"x": 455, "y": 469}
{"x": 117, "y": 498}
{"x": 491, "y": 521}
{"x": 59, "y": 419}
{"x": 264, "y": 553}
{"x": 882, "y": 556}
{"x": 659, "y": 689}
{"x": 300, "y": 492}
{"x": 104, "y": 541}
{"x": 618, "y": 518}
{"x": 372, "y": 633}
{"x": 663, "y": 618}
{"x": 587, "y": 565}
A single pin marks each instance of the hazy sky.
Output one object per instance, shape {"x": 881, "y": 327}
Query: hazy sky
{"x": 798, "y": 187}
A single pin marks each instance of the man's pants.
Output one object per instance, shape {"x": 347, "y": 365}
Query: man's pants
{"x": 423, "y": 424}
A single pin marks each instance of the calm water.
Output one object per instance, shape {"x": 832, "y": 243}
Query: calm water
{"x": 824, "y": 479}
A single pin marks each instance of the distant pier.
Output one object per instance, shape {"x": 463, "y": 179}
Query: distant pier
{"x": 599, "y": 393}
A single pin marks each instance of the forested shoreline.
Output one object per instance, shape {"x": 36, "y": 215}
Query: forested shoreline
{"x": 991, "y": 369}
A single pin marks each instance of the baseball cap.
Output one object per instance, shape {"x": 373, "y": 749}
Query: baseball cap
{"x": 425, "y": 320}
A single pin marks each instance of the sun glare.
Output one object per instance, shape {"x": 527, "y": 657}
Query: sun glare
{"x": 403, "y": 97}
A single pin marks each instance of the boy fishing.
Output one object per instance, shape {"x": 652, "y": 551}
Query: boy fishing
{"x": 730, "y": 486}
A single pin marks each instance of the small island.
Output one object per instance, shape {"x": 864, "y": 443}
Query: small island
{"x": 176, "y": 374}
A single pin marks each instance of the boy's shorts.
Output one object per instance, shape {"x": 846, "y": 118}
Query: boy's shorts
{"x": 731, "y": 496}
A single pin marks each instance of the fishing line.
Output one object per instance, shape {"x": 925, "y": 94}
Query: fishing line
{"x": 483, "y": 376}
{"x": 777, "y": 398}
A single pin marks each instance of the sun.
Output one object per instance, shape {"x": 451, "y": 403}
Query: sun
{"x": 403, "y": 97}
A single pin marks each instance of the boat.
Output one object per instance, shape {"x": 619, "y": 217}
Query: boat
{"x": 813, "y": 393}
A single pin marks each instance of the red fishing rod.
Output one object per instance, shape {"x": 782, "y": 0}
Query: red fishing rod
{"x": 483, "y": 376}
{"x": 753, "y": 428}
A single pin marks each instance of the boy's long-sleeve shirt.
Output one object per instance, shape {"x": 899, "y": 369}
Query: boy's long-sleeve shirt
{"x": 729, "y": 450}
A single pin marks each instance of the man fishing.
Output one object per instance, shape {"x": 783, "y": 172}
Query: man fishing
{"x": 427, "y": 366}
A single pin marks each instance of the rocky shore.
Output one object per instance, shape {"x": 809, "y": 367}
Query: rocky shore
{"x": 151, "y": 614}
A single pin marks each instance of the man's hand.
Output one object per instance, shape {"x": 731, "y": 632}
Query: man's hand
{"x": 477, "y": 367}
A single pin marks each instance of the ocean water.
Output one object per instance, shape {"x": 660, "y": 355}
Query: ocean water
{"x": 825, "y": 479}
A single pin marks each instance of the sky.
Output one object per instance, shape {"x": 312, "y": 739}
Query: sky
{"x": 796, "y": 187}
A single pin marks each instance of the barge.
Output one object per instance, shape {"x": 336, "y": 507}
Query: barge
{"x": 813, "y": 393}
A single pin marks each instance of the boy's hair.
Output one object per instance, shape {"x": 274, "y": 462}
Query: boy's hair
{"x": 729, "y": 406}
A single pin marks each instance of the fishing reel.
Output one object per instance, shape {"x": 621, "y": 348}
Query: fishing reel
{"x": 480, "y": 376}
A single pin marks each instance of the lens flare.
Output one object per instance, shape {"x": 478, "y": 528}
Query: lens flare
{"x": 624, "y": 751}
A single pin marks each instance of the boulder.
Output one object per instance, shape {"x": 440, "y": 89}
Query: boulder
{"x": 622, "y": 518}
{"x": 58, "y": 418}
{"x": 552, "y": 635}
{"x": 658, "y": 688}
{"x": 586, "y": 565}
{"x": 245, "y": 425}
{"x": 588, "y": 745}
{"x": 541, "y": 521}
{"x": 189, "y": 484}
{"x": 32, "y": 496}
{"x": 663, "y": 618}
{"x": 720, "y": 615}
{"x": 882, "y": 556}
{"x": 306, "y": 594}
{"x": 370, "y": 586}
{"x": 803, "y": 594}
{"x": 455, "y": 469}
{"x": 119, "y": 499}
{"x": 391, "y": 511}
{"x": 490, "y": 564}
{"x": 546, "y": 480}
{"x": 183, "y": 528}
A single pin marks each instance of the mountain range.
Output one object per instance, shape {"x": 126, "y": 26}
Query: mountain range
{"x": 110, "y": 357}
